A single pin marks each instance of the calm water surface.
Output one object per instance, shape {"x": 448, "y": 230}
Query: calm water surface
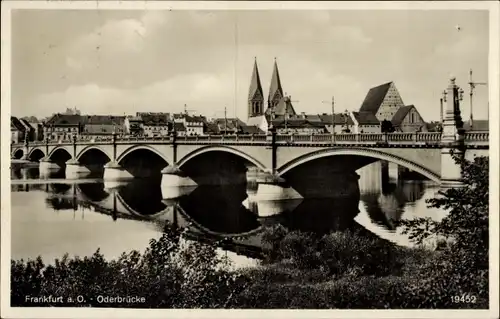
{"x": 50, "y": 218}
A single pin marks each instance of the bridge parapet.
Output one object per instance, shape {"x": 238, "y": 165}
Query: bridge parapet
{"x": 395, "y": 139}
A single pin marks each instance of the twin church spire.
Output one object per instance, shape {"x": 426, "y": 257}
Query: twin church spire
{"x": 256, "y": 96}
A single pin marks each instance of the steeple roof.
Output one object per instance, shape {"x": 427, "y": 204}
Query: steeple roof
{"x": 255, "y": 91}
{"x": 275, "y": 86}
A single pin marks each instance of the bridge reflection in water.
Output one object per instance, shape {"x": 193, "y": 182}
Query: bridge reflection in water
{"x": 231, "y": 212}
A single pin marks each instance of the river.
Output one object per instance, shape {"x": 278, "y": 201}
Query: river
{"x": 57, "y": 216}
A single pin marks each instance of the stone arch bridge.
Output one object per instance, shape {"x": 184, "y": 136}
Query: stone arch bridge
{"x": 189, "y": 161}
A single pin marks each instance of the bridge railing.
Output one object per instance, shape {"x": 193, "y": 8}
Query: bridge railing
{"x": 397, "y": 138}
{"x": 477, "y": 136}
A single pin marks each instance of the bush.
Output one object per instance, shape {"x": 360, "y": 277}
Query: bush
{"x": 168, "y": 274}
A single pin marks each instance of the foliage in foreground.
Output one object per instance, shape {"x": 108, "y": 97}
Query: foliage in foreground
{"x": 300, "y": 270}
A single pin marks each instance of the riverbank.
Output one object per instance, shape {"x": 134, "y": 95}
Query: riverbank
{"x": 300, "y": 270}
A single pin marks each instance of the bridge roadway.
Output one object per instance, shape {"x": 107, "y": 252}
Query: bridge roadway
{"x": 183, "y": 160}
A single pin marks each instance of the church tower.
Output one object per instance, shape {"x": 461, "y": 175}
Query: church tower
{"x": 255, "y": 94}
{"x": 275, "y": 89}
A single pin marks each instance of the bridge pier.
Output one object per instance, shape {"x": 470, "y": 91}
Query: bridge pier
{"x": 46, "y": 167}
{"x": 175, "y": 183}
{"x": 75, "y": 170}
{"x": 114, "y": 171}
{"x": 274, "y": 188}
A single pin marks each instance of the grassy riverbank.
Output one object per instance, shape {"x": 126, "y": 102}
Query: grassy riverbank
{"x": 300, "y": 270}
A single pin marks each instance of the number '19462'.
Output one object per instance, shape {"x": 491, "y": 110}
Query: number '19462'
{"x": 465, "y": 298}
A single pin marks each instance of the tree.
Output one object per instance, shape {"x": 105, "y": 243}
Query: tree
{"x": 462, "y": 265}
{"x": 387, "y": 127}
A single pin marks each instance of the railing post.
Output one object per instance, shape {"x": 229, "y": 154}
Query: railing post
{"x": 274, "y": 151}
{"x": 46, "y": 146}
{"x": 415, "y": 137}
{"x": 114, "y": 146}
{"x": 357, "y": 137}
{"x": 74, "y": 146}
{"x": 386, "y": 140}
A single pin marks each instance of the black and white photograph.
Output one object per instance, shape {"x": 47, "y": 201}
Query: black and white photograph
{"x": 187, "y": 156}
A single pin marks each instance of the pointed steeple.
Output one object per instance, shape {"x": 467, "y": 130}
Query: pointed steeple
{"x": 255, "y": 94}
{"x": 275, "y": 89}
{"x": 255, "y": 91}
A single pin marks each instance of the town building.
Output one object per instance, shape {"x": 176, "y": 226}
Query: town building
{"x": 180, "y": 128}
{"x": 133, "y": 125}
{"x": 385, "y": 102}
{"x": 28, "y": 129}
{"x": 155, "y": 124}
{"x": 63, "y": 126}
{"x": 227, "y": 126}
{"x": 343, "y": 122}
{"x": 17, "y": 130}
{"x": 365, "y": 122}
{"x": 103, "y": 125}
{"x": 407, "y": 119}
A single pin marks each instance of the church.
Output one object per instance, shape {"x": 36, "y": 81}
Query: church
{"x": 278, "y": 107}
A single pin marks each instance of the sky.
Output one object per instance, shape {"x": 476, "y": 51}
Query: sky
{"x": 121, "y": 62}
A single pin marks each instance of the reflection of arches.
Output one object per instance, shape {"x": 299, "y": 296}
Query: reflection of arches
{"x": 220, "y": 148}
{"x": 363, "y": 153}
{"x": 131, "y": 149}
{"x": 92, "y": 147}
{"x": 36, "y": 154}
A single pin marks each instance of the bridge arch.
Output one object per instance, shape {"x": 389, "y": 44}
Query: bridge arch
{"x": 92, "y": 147}
{"x": 220, "y": 148}
{"x": 36, "y": 154}
{"x": 139, "y": 147}
{"x": 360, "y": 152}
{"x": 58, "y": 149}
{"x": 17, "y": 153}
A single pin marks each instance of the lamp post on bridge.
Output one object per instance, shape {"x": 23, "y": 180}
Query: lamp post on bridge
{"x": 472, "y": 86}
{"x": 333, "y": 117}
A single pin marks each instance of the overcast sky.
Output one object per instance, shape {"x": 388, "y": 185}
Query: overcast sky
{"x": 116, "y": 62}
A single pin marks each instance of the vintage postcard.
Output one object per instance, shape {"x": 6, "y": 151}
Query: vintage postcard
{"x": 211, "y": 159}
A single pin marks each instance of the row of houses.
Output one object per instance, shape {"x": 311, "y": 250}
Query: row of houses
{"x": 64, "y": 126}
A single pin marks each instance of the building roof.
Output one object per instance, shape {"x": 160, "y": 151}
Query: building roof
{"x": 374, "y": 98}
{"x": 194, "y": 118}
{"x": 26, "y": 123}
{"x": 212, "y": 128}
{"x": 155, "y": 119}
{"x": 232, "y": 124}
{"x": 255, "y": 91}
{"x": 401, "y": 114}
{"x": 250, "y": 129}
{"x": 366, "y": 118}
{"x": 275, "y": 89}
{"x": 340, "y": 119}
{"x": 104, "y": 120}
{"x": 477, "y": 125}
{"x": 65, "y": 119}
{"x": 16, "y": 124}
